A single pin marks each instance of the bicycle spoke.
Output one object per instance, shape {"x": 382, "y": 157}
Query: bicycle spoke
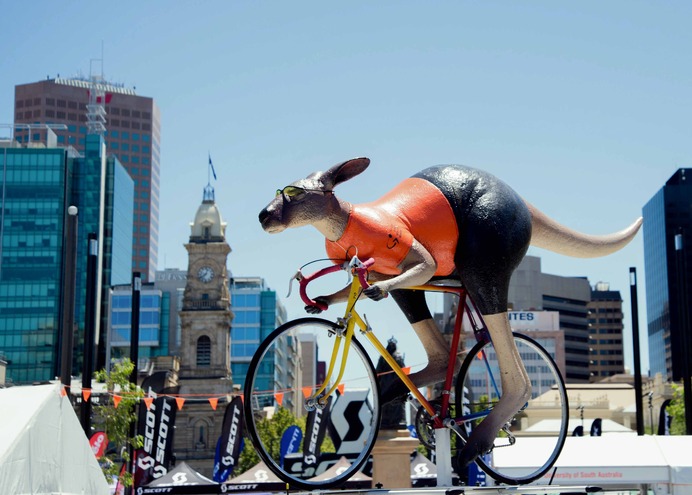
{"x": 513, "y": 459}
{"x": 287, "y": 369}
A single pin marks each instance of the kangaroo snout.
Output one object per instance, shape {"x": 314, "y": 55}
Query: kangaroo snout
{"x": 270, "y": 219}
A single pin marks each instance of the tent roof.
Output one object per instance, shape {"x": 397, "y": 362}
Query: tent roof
{"x": 341, "y": 464}
{"x": 603, "y": 460}
{"x": 43, "y": 448}
{"x": 422, "y": 467}
{"x": 259, "y": 477}
{"x": 181, "y": 474}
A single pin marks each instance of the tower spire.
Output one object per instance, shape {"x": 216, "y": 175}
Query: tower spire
{"x": 209, "y": 190}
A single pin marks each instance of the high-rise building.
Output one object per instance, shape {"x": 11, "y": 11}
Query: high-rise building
{"x": 531, "y": 289}
{"x": 605, "y": 332}
{"x": 257, "y": 313}
{"x": 668, "y": 272}
{"x": 153, "y": 323}
{"x": 132, "y": 134}
{"x": 39, "y": 184}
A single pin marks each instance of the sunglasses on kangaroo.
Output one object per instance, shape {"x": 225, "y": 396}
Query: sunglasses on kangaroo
{"x": 295, "y": 193}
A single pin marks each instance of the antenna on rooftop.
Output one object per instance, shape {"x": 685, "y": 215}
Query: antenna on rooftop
{"x": 96, "y": 110}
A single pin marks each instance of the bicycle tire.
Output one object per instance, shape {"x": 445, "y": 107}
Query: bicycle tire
{"x": 516, "y": 464}
{"x": 287, "y": 348}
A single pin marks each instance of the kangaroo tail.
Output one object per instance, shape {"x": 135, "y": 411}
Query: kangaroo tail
{"x": 549, "y": 234}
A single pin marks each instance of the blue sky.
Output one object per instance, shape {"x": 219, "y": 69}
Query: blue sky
{"x": 583, "y": 107}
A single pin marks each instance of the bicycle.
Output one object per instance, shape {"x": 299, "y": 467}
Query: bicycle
{"x": 284, "y": 372}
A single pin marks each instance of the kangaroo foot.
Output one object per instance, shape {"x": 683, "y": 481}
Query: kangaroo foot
{"x": 480, "y": 442}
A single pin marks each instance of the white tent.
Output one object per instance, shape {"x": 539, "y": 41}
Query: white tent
{"x": 43, "y": 448}
{"x": 610, "y": 460}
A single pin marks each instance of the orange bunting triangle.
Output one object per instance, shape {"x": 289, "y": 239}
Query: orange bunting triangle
{"x": 116, "y": 400}
{"x": 307, "y": 391}
{"x": 341, "y": 388}
{"x": 213, "y": 401}
{"x": 479, "y": 355}
{"x": 406, "y": 370}
{"x": 86, "y": 393}
{"x": 148, "y": 401}
{"x": 242, "y": 398}
{"x": 180, "y": 401}
{"x": 279, "y": 396}
{"x": 63, "y": 392}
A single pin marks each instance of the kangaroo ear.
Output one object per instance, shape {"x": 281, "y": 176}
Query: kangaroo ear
{"x": 344, "y": 171}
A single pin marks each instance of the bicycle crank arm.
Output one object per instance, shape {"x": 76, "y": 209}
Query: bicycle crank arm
{"x": 452, "y": 425}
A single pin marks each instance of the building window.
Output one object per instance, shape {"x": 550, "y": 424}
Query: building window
{"x": 204, "y": 351}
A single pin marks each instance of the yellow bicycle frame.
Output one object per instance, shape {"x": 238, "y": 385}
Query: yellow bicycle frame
{"x": 350, "y": 321}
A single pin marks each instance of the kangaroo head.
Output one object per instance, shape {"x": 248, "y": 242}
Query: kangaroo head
{"x": 311, "y": 201}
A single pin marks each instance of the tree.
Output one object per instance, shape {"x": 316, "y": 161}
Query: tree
{"x": 677, "y": 411}
{"x": 115, "y": 420}
{"x": 271, "y": 431}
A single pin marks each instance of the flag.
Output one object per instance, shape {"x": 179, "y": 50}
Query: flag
{"x": 596, "y": 427}
{"x": 98, "y": 442}
{"x": 290, "y": 442}
{"x": 230, "y": 441}
{"x": 315, "y": 430}
{"x": 664, "y": 418}
{"x": 156, "y": 425}
{"x": 213, "y": 172}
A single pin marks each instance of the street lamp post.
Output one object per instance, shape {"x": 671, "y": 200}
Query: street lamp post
{"x": 68, "y": 290}
{"x": 90, "y": 312}
{"x": 635, "y": 351}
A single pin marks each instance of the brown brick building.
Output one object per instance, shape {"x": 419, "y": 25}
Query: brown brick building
{"x": 133, "y": 134}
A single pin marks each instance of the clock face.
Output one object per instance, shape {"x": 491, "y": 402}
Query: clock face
{"x": 205, "y": 274}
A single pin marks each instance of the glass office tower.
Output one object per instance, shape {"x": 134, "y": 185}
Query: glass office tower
{"x": 38, "y": 185}
{"x": 35, "y": 191}
{"x": 668, "y": 273}
{"x": 257, "y": 313}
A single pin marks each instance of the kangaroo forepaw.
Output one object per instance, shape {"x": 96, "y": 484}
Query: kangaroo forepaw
{"x": 473, "y": 449}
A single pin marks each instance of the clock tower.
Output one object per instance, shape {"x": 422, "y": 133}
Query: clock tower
{"x": 206, "y": 315}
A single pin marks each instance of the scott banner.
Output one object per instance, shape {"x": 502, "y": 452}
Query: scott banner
{"x": 315, "y": 429}
{"x": 229, "y": 444}
{"x": 156, "y": 427}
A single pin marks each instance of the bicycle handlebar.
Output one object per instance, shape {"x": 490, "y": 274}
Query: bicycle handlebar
{"x": 360, "y": 269}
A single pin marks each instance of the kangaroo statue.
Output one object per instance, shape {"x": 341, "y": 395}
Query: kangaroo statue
{"x": 446, "y": 221}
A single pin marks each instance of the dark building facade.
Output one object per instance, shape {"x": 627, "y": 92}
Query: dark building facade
{"x": 132, "y": 134}
{"x": 668, "y": 273}
{"x": 530, "y": 289}
{"x": 605, "y": 333}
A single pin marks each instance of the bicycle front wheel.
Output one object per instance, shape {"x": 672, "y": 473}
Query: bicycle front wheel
{"x": 312, "y": 447}
{"x": 528, "y": 447}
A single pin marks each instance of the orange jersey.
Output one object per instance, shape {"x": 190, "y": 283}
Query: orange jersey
{"x": 385, "y": 229}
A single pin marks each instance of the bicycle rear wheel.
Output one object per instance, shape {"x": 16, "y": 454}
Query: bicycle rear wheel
{"x": 287, "y": 368}
{"x": 539, "y": 430}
